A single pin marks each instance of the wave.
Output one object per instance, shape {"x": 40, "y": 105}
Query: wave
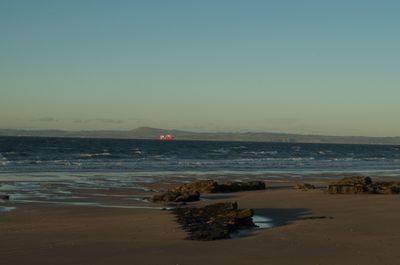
{"x": 261, "y": 152}
{"x": 3, "y": 160}
{"x": 137, "y": 151}
{"x": 95, "y": 154}
{"x": 221, "y": 151}
{"x": 240, "y": 147}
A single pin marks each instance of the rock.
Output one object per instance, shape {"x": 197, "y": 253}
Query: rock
{"x": 215, "y": 221}
{"x": 387, "y": 187}
{"x": 203, "y": 186}
{"x": 234, "y": 186}
{"x": 343, "y": 189}
{"x": 304, "y": 186}
{"x": 355, "y": 181}
{"x": 191, "y": 191}
{"x": 360, "y": 185}
{"x": 5, "y": 197}
{"x": 187, "y": 192}
{"x": 351, "y": 185}
{"x": 177, "y": 196}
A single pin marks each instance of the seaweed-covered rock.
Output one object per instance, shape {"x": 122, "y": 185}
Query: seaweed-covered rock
{"x": 355, "y": 181}
{"x": 177, "y": 196}
{"x": 4, "y": 197}
{"x": 202, "y": 186}
{"x": 211, "y": 186}
{"x": 191, "y": 191}
{"x": 360, "y": 185}
{"x": 351, "y": 185}
{"x": 304, "y": 186}
{"x": 387, "y": 187}
{"x": 215, "y": 221}
{"x": 187, "y": 192}
{"x": 234, "y": 186}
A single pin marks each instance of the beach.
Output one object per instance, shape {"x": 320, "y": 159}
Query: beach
{"x": 89, "y": 201}
{"x": 307, "y": 227}
{"x": 199, "y": 133}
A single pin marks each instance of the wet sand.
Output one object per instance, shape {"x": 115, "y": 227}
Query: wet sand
{"x": 356, "y": 229}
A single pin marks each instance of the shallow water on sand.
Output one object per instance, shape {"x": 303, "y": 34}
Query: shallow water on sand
{"x": 7, "y": 208}
{"x": 262, "y": 222}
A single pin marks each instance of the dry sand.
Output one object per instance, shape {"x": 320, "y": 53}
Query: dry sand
{"x": 360, "y": 229}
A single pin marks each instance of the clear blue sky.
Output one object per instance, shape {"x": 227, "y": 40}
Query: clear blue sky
{"x": 327, "y": 67}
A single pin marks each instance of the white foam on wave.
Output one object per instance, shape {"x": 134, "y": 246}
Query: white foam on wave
{"x": 137, "y": 151}
{"x": 95, "y": 154}
{"x": 3, "y": 160}
{"x": 221, "y": 150}
{"x": 261, "y": 152}
{"x": 240, "y": 147}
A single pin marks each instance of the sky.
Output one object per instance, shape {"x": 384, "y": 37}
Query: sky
{"x": 312, "y": 67}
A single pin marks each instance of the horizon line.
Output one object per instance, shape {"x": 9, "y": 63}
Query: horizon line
{"x": 199, "y": 132}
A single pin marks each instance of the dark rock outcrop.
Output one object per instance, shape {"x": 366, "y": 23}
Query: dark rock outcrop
{"x": 177, "y": 196}
{"x": 304, "y": 186}
{"x": 388, "y": 187}
{"x": 187, "y": 192}
{"x": 351, "y": 185}
{"x": 202, "y": 186}
{"x": 211, "y": 186}
{"x": 191, "y": 191}
{"x": 4, "y": 197}
{"x": 360, "y": 185}
{"x": 215, "y": 221}
{"x": 234, "y": 186}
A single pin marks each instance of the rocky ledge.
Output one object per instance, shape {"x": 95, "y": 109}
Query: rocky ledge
{"x": 191, "y": 191}
{"x": 4, "y": 197}
{"x": 363, "y": 185}
{"x": 304, "y": 186}
{"x": 177, "y": 195}
{"x": 215, "y": 221}
{"x": 235, "y": 186}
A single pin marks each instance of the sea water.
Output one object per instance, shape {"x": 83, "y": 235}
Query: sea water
{"x": 52, "y": 169}
{"x": 146, "y": 158}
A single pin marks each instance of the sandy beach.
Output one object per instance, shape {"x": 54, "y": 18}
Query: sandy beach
{"x": 309, "y": 227}
{"x": 199, "y": 132}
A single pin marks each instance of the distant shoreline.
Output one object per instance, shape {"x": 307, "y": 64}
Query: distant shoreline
{"x": 147, "y": 133}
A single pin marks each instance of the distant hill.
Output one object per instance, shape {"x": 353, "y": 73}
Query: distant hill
{"x": 154, "y": 133}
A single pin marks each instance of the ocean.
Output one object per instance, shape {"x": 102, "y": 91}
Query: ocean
{"x": 26, "y": 155}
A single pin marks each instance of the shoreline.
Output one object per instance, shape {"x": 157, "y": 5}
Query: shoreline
{"x": 130, "y": 191}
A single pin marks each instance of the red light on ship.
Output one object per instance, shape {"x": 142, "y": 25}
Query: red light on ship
{"x": 167, "y": 137}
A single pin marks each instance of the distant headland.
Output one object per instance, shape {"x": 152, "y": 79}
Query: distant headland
{"x": 154, "y": 133}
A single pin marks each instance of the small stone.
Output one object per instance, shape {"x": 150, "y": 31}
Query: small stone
{"x": 5, "y": 197}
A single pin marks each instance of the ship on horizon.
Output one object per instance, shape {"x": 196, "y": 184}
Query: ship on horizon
{"x": 167, "y": 137}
